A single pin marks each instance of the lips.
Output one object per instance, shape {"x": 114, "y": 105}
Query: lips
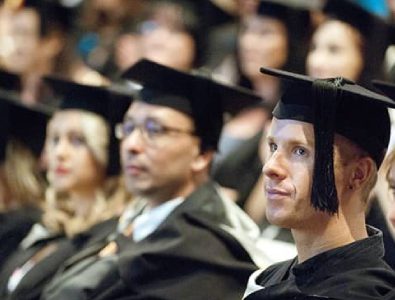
{"x": 62, "y": 171}
{"x": 276, "y": 193}
{"x": 134, "y": 169}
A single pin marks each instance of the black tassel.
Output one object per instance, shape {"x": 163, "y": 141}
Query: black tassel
{"x": 324, "y": 194}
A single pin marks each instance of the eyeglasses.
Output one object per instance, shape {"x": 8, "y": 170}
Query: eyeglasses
{"x": 150, "y": 129}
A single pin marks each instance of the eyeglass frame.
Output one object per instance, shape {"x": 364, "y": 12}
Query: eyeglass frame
{"x": 149, "y": 136}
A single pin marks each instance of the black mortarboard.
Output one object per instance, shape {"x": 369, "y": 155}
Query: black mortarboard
{"x": 195, "y": 95}
{"x": 26, "y": 124}
{"x": 386, "y": 88}
{"x": 282, "y": 10}
{"x": 375, "y": 31}
{"x": 334, "y": 106}
{"x": 354, "y": 14}
{"x": 9, "y": 81}
{"x": 103, "y": 101}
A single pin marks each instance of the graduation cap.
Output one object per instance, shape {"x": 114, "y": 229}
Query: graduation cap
{"x": 386, "y": 88}
{"x": 106, "y": 102}
{"x": 340, "y": 106}
{"x": 281, "y": 9}
{"x": 26, "y": 124}
{"x": 195, "y": 95}
{"x": 9, "y": 81}
{"x": 354, "y": 14}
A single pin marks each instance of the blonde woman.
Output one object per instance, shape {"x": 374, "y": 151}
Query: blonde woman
{"x": 81, "y": 198}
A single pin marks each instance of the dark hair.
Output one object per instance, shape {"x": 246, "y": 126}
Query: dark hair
{"x": 188, "y": 20}
{"x": 52, "y": 15}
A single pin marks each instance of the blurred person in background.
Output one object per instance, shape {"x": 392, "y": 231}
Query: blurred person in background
{"x": 167, "y": 32}
{"x": 82, "y": 199}
{"x": 99, "y": 25}
{"x": 22, "y": 182}
{"x": 33, "y": 36}
{"x": 350, "y": 42}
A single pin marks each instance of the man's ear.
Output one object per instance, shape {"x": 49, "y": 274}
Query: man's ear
{"x": 202, "y": 160}
{"x": 362, "y": 172}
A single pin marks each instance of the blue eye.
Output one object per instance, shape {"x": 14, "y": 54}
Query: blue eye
{"x": 300, "y": 151}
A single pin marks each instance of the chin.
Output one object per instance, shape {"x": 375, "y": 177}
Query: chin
{"x": 137, "y": 189}
{"x": 278, "y": 219}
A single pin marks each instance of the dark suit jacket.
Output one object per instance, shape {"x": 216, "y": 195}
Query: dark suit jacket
{"x": 196, "y": 253}
{"x": 14, "y": 226}
{"x": 32, "y": 284}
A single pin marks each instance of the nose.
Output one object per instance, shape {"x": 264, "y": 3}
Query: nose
{"x": 274, "y": 167}
{"x": 315, "y": 61}
{"x": 62, "y": 149}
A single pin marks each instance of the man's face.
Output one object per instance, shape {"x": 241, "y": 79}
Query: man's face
{"x": 158, "y": 167}
{"x": 288, "y": 175}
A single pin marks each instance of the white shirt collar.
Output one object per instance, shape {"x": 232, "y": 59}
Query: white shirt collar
{"x": 150, "y": 219}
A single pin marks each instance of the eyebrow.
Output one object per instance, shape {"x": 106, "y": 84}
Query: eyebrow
{"x": 293, "y": 141}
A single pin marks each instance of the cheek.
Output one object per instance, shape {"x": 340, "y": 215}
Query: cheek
{"x": 86, "y": 163}
{"x": 185, "y": 53}
{"x": 391, "y": 213}
{"x": 173, "y": 162}
{"x": 302, "y": 179}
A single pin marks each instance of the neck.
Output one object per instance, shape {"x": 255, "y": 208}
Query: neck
{"x": 355, "y": 213}
{"x": 268, "y": 87}
{"x": 331, "y": 234}
{"x": 83, "y": 201}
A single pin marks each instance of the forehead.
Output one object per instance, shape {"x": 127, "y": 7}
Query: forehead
{"x": 66, "y": 120}
{"x": 261, "y": 21}
{"x": 141, "y": 110}
{"x": 337, "y": 30}
{"x": 286, "y": 130}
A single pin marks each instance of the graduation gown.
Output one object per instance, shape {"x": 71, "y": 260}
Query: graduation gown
{"x": 32, "y": 284}
{"x": 200, "y": 251}
{"x": 352, "y": 272}
{"x": 14, "y": 226}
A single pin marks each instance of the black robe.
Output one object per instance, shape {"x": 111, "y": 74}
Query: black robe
{"x": 352, "y": 272}
{"x": 199, "y": 252}
{"x": 14, "y": 226}
{"x": 32, "y": 284}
